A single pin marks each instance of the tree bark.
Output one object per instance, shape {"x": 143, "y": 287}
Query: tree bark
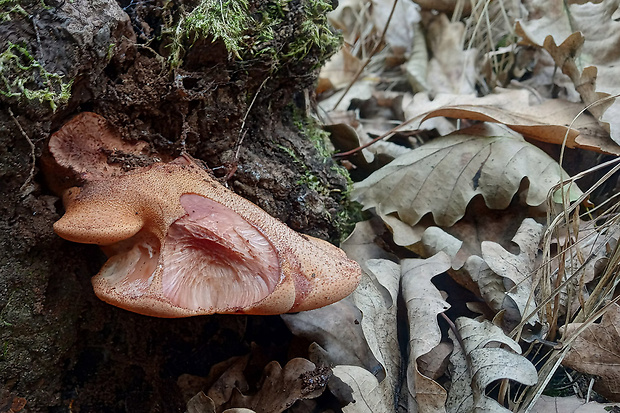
{"x": 61, "y": 349}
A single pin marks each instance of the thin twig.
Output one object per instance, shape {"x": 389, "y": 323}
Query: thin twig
{"x": 385, "y": 135}
{"x": 374, "y": 51}
{"x": 33, "y": 158}
{"x": 455, "y": 331}
{"x": 243, "y": 131}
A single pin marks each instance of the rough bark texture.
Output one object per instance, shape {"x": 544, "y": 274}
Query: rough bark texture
{"x": 61, "y": 349}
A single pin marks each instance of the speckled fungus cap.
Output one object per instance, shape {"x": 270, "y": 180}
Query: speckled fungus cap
{"x": 180, "y": 244}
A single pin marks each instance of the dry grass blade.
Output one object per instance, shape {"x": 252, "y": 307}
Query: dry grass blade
{"x": 555, "y": 278}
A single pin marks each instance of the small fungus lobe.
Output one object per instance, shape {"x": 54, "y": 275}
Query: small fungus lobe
{"x": 179, "y": 243}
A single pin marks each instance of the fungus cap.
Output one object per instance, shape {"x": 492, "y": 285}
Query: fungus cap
{"x": 181, "y": 244}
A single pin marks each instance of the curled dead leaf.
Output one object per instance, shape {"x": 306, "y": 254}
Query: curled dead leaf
{"x": 443, "y": 176}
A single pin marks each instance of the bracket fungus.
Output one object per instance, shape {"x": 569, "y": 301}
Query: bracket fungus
{"x": 179, "y": 243}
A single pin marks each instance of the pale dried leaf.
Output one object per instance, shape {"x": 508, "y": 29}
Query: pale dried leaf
{"x": 442, "y": 176}
{"x": 227, "y": 376}
{"x": 352, "y": 18}
{"x": 570, "y": 404}
{"x": 360, "y": 385}
{"x": 451, "y": 69}
{"x": 424, "y": 303}
{"x": 379, "y": 321}
{"x": 200, "y": 403}
{"x": 364, "y": 242}
{"x": 403, "y": 234}
{"x": 400, "y": 32}
{"x": 584, "y": 259}
{"x": 363, "y": 246}
{"x": 478, "y": 366}
{"x": 339, "y": 70}
{"x": 435, "y": 363}
{"x": 416, "y": 67}
{"x": 582, "y": 39}
{"x": 337, "y": 329}
{"x": 352, "y": 133}
{"x": 362, "y": 89}
{"x": 517, "y": 271}
{"x": 379, "y": 326}
{"x": 553, "y": 121}
{"x": 436, "y": 239}
{"x": 597, "y": 351}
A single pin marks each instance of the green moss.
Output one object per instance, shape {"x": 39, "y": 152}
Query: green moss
{"x": 350, "y": 212}
{"x": 307, "y": 178}
{"x": 314, "y": 32}
{"x": 225, "y": 20}
{"x": 5, "y": 351}
{"x": 23, "y": 77}
{"x": 269, "y": 30}
{"x": 10, "y": 7}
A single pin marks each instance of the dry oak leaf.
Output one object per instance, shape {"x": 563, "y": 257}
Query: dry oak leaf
{"x": 363, "y": 389}
{"x": 550, "y": 121}
{"x": 587, "y": 255}
{"x": 451, "y": 69}
{"x": 281, "y": 387}
{"x": 337, "y": 329}
{"x": 372, "y": 391}
{"x": 516, "y": 272}
{"x": 571, "y": 404}
{"x": 597, "y": 351}
{"x": 477, "y": 365}
{"x": 424, "y": 304}
{"x": 582, "y": 39}
{"x": 442, "y": 176}
{"x": 462, "y": 241}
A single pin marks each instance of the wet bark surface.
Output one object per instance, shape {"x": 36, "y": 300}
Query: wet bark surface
{"x": 61, "y": 349}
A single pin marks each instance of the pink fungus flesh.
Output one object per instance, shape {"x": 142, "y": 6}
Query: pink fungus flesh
{"x": 215, "y": 260}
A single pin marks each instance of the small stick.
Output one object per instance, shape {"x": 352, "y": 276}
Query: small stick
{"x": 366, "y": 145}
{"x": 243, "y": 132}
{"x": 32, "y": 153}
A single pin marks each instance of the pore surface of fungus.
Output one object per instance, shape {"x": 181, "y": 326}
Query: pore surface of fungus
{"x": 181, "y": 244}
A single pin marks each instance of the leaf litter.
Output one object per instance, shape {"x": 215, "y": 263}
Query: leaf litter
{"x": 490, "y": 246}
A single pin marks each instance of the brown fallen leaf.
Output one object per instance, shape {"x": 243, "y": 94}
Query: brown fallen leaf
{"x": 516, "y": 272}
{"x": 584, "y": 256}
{"x": 337, "y": 329}
{"x": 376, "y": 297}
{"x": 597, "y": 352}
{"x": 581, "y": 38}
{"x": 399, "y": 34}
{"x": 452, "y": 67}
{"x": 361, "y": 389}
{"x": 463, "y": 240}
{"x": 225, "y": 377}
{"x": 435, "y": 363}
{"x": 552, "y": 121}
{"x": 571, "y": 404}
{"x": 200, "y": 403}
{"x": 479, "y": 362}
{"x": 424, "y": 304}
{"x": 442, "y": 176}
{"x": 339, "y": 70}
{"x": 280, "y": 388}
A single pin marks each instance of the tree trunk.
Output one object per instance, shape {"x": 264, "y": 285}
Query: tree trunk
{"x": 227, "y": 82}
